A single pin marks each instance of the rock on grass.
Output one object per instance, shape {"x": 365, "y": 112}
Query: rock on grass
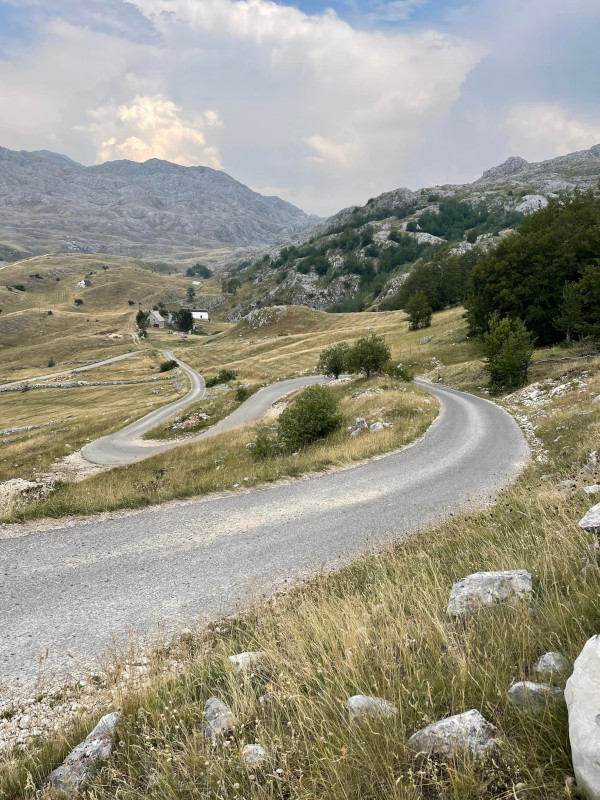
{"x": 486, "y": 588}
{"x": 468, "y": 731}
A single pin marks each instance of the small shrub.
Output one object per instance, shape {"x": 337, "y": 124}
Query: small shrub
{"x": 167, "y": 366}
{"x": 314, "y": 414}
{"x": 51, "y": 362}
{"x": 130, "y": 302}
{"x": 224, "y": 376}
{"x": 49, "y": 313}
{"x": 79, "y": 301}
{"x": 399, "y": 373}
{"x": 19, "y": 286}
{"x": 265, "y": 447}
{"x": 419, "y": 311}
{"x": 242, "y": 393}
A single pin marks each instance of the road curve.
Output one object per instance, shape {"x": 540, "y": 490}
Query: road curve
{"x": 95, "y": 365}
{"x": 69, "y": 590}
{"x": 125, "y": 446}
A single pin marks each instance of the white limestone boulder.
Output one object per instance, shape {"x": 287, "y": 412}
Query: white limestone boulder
{"x": 486, "y": 588}
{"x": 364, "y": 706}
{"x": 468, "y": 731}
{"x": 218, "y": 719}
{"x": 533, "y": 697}
{"x": 551, "y": 664}
{"x": 243, "y": 662}
{"x": 583, "y": 703}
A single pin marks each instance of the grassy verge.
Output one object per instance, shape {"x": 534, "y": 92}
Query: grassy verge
{"x": 378, "y": 627}
{"x": 224, "y": 462}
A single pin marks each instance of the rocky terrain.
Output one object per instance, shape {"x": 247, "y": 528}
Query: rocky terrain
{"x": 49, "y": 203}
{"x": 505, "y": 194}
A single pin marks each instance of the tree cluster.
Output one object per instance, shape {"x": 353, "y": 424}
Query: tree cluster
{"x": 367, "y": 355}
{"x": 547, "y": 274}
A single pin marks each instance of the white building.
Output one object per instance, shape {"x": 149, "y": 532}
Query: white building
{"x": 156, "y": 320}
{"x": 84, "y": 284}
{"x": 200, "y": 314}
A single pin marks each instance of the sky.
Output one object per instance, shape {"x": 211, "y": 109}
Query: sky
{"x": 324, "y": 103}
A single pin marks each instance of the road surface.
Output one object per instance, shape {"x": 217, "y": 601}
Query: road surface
{"x": 126, "y": 446}
{"x": 95, "y": 365}
{"x": 65, "y": 592}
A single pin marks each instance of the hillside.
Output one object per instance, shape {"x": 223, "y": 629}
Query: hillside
{"x": 362, "y": 255}
{"x": 49, "y": 203}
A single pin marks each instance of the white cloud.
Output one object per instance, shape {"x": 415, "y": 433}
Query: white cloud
{"x": 151, "y": 126}
{"x": 545, "y": 130}
{"x": 394, "y": 10}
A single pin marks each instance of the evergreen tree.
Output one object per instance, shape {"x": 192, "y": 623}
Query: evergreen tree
{"x": 190, "y": 294}
{"x": 183, "y": 320}
{"x": 508, "y": 349}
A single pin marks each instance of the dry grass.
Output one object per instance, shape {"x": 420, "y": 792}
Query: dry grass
{"x": 376, "y": 627}
{"x": 221, "y": 462}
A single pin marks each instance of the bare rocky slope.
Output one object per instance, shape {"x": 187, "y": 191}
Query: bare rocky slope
{"x": 49, "y": 203}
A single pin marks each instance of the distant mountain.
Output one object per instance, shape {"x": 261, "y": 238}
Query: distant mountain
{"x": 50, "y": 203}
{"x": 362, "y": 255}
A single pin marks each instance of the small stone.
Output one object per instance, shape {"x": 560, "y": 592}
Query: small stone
{"x": 364, "y": 706}
{"x": 218, "y": 719}
{"x": 376, "y": 426}
{"x": 486, "y": 588}
{"x": 567, "y": 484}
{"x": 253, "y": 755}
{"x": 24, "y": 722}
{"x": 594, "y": 489}
{"x": 596, "y": 399}
{"x": 426, "y": 339}
{"x": 551, "y": 664}
{"x": 591, "y": 521}
{"x": 245, "y": 661}
{"x": 467, "y": 731}
{"x": 529, "y": 696}
{"x": 360, "y": 423}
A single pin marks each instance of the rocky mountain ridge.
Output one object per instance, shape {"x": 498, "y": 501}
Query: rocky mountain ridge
{"x": 49, "y": 203}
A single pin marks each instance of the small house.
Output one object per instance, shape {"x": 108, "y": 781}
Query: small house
{"x": 156, "y": 320}
{"x": 200, "y": 314}
{"x": 84, "y": 284}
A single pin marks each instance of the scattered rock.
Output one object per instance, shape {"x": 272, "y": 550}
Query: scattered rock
{"x": 359, "y": 425}
{"x": 467, "y": 731}
{"x": 591, "y": 521}
{"x": 485, "y": 588}
{"x": 593, "y": 461}
{"x": 376, "y": 426}
{"x": 583, "y": 703}
{"x": 17, "y": 489}
{"x": 79, "y": 766}
{"x": 529, "y": 696}
{"x": 596, "y": 399}
{"x": 363, "y": 706}
{"x": 245, "y": 661}
{"x": 551, "y": 664}
{"x": 426, "y": 339}
{"x": 218, "y": 719}
{"x": 567, "y": 484}
{"x": 253, "y": 755}
{"x": 594, "y": 489}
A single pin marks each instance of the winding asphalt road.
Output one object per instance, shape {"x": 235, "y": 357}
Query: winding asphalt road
{"x": 126, "y": 445}
{"x": 66, "y": 591}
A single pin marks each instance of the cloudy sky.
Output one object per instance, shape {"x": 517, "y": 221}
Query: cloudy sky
{"x": 325, "y": 103}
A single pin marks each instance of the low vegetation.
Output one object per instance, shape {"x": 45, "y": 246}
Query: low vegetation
{"x": 379, "y": 627}
{"x": 225, "y": 462}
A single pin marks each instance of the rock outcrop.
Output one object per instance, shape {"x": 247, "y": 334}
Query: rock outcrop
{"x": 444, "y": 739}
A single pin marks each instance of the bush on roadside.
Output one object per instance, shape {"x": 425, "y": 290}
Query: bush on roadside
{"x": 167, "y": 366}
{"x": 265, "y": 446}
{"x": 368, "y": 355}
{"x": 224, "y": 376}
{"x": 242, "y": 393}
{"x": 399, "y": 373}
{"x": 332, "y": 360}
{"x": 314, "y": 415}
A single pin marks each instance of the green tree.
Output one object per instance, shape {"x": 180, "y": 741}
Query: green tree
{"x": 200, "y": 270}
{"x": 313, "y": 415}
{"x": 524, "y": 277}
{"x": 190, "y": 294}
{"x": 231, "y": 286}
{"x": 183, "y": 319}
{"x": 332, "y": 361}
{"x": 571, "y": 316}
{"x": 508, "y": 349}
{"x": 419, "y": 311}
{"x": 369, "y": 354}
{"x": 141, "y": 320}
